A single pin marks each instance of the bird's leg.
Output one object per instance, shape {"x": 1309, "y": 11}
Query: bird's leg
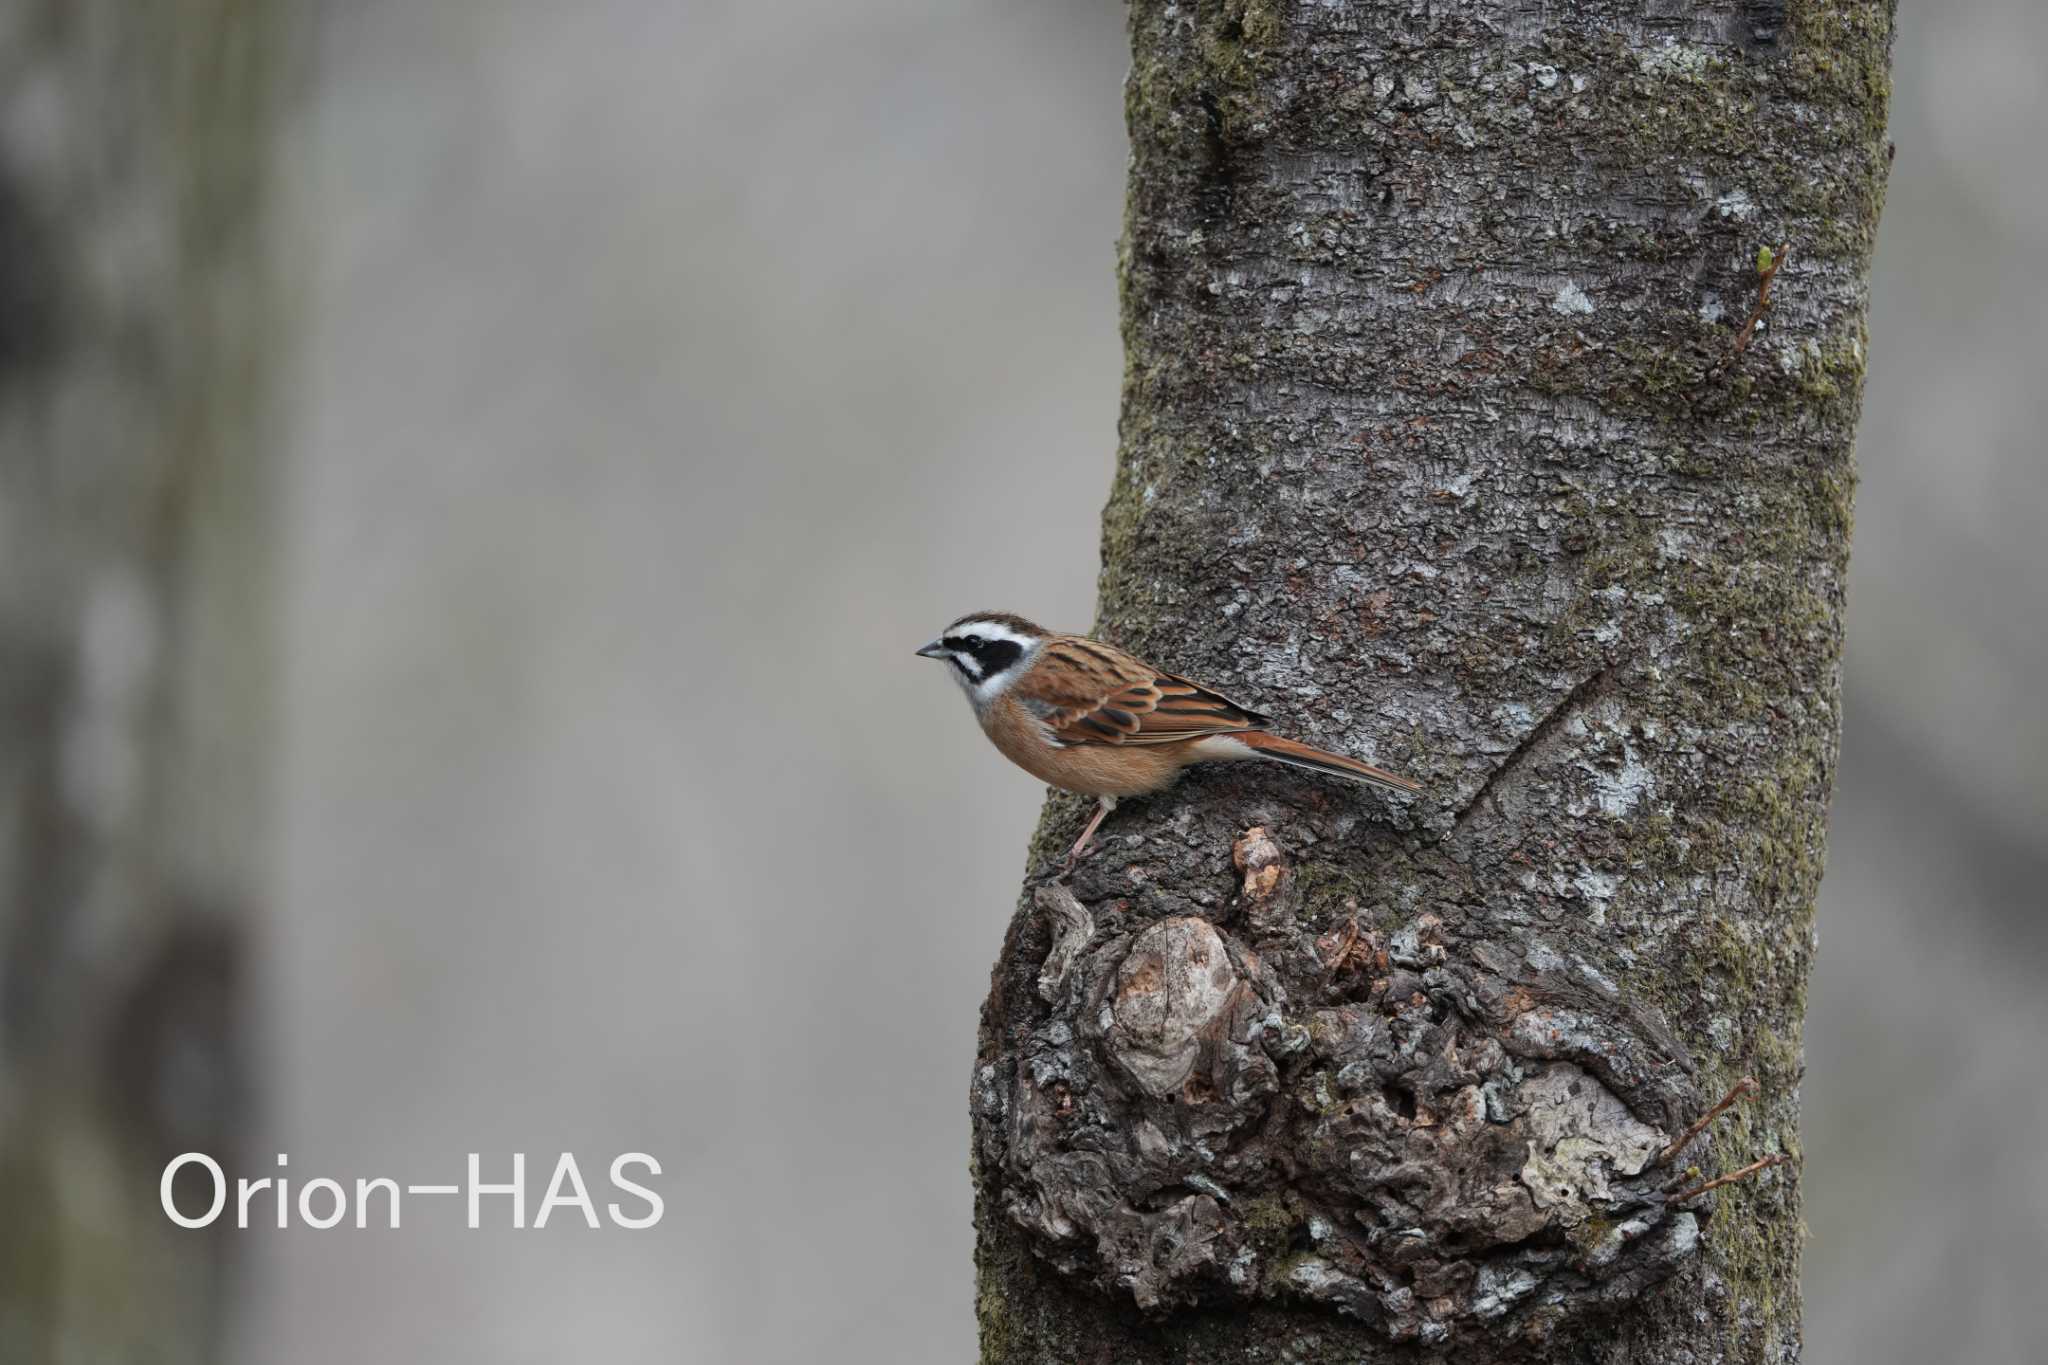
{"x": 1103, "y": 806}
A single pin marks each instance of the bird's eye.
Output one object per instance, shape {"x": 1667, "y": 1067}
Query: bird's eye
{"x": 974, "y": 642}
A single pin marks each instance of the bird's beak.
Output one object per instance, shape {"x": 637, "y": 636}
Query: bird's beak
{"x": 935, "y": 650}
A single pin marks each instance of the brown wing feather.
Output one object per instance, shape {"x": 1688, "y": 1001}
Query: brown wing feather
{"x": 1086, "y": 692}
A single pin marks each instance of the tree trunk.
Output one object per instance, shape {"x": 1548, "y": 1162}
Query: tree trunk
{"x": 132, "y": 670}
{"x": 1447, "y": 440}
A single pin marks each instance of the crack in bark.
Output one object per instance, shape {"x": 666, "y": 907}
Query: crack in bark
{"x": 1592, "y": 686}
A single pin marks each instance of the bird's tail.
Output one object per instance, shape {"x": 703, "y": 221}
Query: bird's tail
{"x": 1288, "y": 751}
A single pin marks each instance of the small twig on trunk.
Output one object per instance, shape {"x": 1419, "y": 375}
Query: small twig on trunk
{"x": 1347, "y": 951}
{"x": 1768, "y": 264}
{"x": 1745, "y": 1086}
{"x": 1761, "y": 1164}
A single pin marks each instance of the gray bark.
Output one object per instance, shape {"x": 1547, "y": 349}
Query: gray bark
{"x": 132, "y": 669}
{"x": 1441, "y": 442}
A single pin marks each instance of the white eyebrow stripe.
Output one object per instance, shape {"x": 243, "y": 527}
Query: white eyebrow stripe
{"x": 990, "y": 630}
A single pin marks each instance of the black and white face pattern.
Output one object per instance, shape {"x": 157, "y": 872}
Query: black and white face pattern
{"x": 986, "y": 652}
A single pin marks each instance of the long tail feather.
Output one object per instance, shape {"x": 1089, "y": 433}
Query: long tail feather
{"x": 1317, "y": 760}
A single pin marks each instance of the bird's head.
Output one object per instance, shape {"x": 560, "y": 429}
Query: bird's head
{"x": 986, "y": 650}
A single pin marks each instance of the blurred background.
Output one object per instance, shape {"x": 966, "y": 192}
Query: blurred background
{"x": 650, "y": 379}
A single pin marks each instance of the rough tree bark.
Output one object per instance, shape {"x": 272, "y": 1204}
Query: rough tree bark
{"x": 132, "y": 669}
{"x": 1448, "y": 440}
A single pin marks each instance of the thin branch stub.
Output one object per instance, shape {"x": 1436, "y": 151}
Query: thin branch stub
{"x": 1761, "y": 1164}
{"x": 1768, "y": 264}
{"x": 1742, "y": 1088}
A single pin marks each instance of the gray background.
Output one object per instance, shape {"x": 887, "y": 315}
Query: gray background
{"x": 666, "y": 373}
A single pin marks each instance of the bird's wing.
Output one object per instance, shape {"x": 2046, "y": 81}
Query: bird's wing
{"x": 1086, "y": 692}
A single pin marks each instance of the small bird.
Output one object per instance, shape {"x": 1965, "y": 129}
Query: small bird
{"x": 1089, "y": 718}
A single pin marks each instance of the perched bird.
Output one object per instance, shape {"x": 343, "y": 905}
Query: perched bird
{"x": 1087, "y": 717}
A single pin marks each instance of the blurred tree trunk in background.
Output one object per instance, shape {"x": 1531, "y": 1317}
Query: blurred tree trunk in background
{"x": 133, "y": 674}
{"x": 1446, "y": 440}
